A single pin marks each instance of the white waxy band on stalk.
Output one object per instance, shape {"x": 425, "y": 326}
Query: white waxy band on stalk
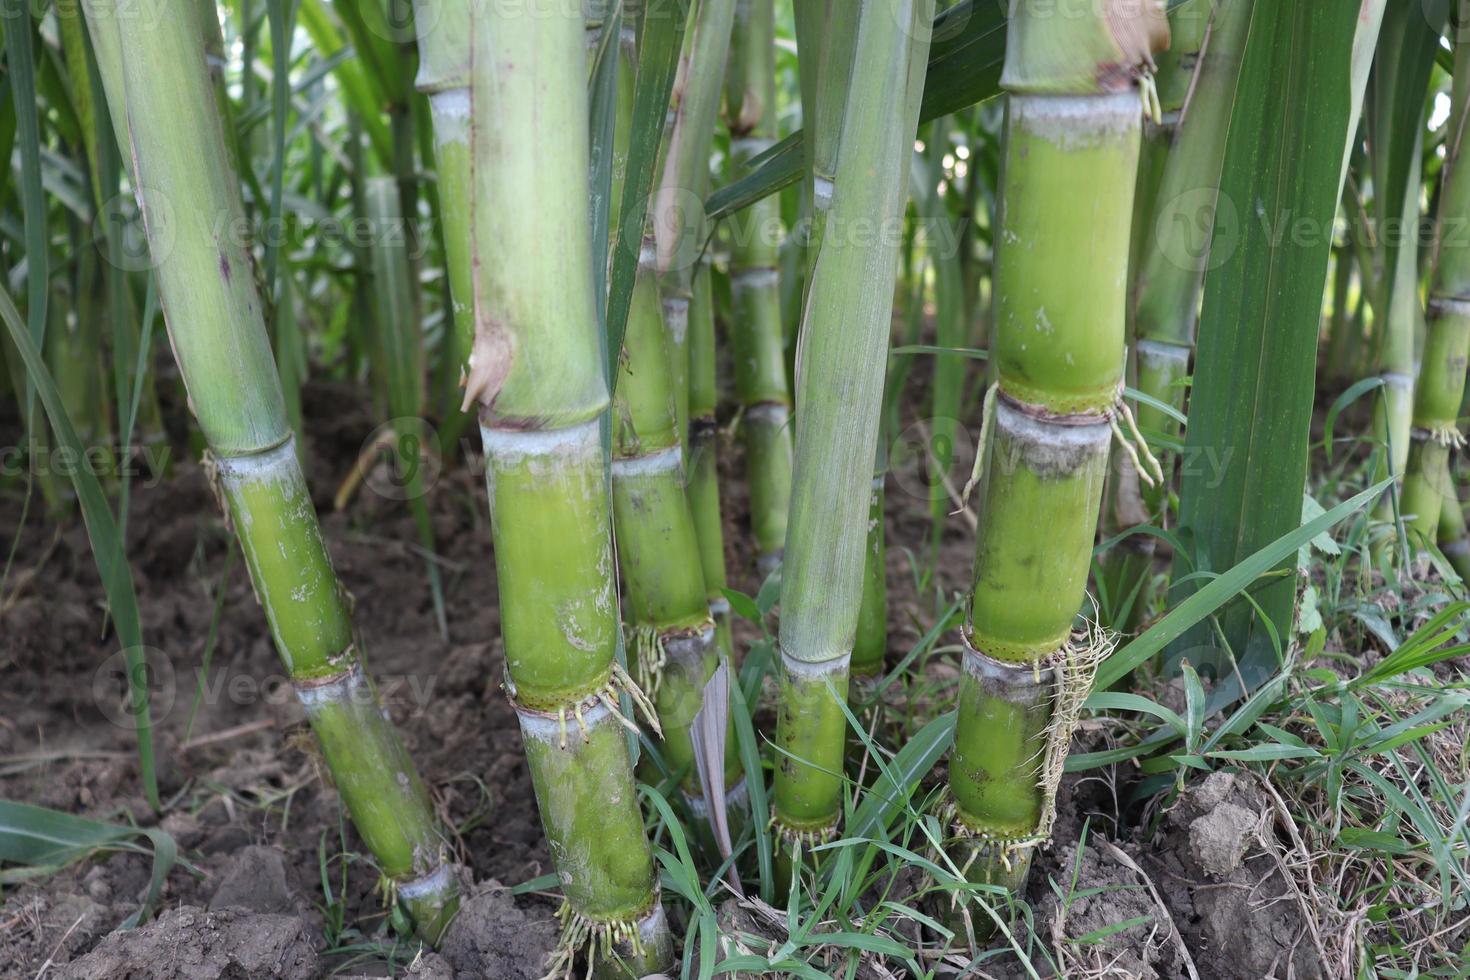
{"x": 755, "y": 278}
{"x": 1062, "y": 434}
{"x": 555, "y": 730}
{"x": 506, "y": 447}
{"x": 690, "y": 649}
{"x": 1162, "y": 350}
{"x": 802, "y": 670}
{"x": 348, "y": 687}
{"x": 452, "y": 103}
{"x": 267, "y": 464}
{"x": 1446, "y": 304}
{"x": 768, "y": 413}
{"x": 676, "y": 318}
{"x": 436, "y": 882}
{"x": 653, "y": 464}
{"x": 822, "y": 193}
{"x": 1072, "y": 120}
{"x": 736, "y": 797}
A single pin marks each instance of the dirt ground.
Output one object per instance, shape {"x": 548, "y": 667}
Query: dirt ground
{"x": 259, "y": 828}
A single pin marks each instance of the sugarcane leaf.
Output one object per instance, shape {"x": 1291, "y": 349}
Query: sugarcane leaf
{"x": 660, "y": 36}
{"x": 282, "y": 22}
{"x": 973, "y": 353}
{"x": 1225, "y": 587}
{"x": 755, "y": 786}
{"x": 357, "y": 88}
{"x": 107, "y": 544}
{"x": 42, "y": 841}
{"x": 898, "y": 780}
{"x": 1121, "y": 701}
{"x": 20, "y": 69}
{"x": 1251, "y": 402}
{"x": 1357, "y": 390}
{"x": 1266, "y": 753}
{"x": 708, "y": 734}
{"x": 966, "y": 52}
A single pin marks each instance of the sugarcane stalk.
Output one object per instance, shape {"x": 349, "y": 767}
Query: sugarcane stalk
{"x": 1454, "y": 540}
{"x": 757, "y": 339}
{"x": 1440, "y": 390}
{"x": 679, "y": 224}
{"x": 674, "y": 648}
{"x": 536, "y": 373}
{"x": 681, "y": 234}
{"x": 188, "y": 191}
{"x": 703, "y": 488}
{"x": 1175, "y": 198}
{"x": 841, "y": 367}
{"x": 1393, "y": 414}
{"x": 1073, "y": 120}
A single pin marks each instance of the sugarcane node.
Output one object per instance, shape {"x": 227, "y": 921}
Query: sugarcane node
{"x": 1022, "y": 683}
{"x": 754, "y": 277}
{"x": 805, "y": 835}
{"x": 737, "y": 797}
{"x": 1449, "y": 306}
{"x": 686, "y": 647}
{"x": 1099, "y": 414}
{"x": 338, "y": 688}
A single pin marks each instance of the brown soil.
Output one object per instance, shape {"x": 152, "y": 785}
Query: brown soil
{"x": 256, "y": 820}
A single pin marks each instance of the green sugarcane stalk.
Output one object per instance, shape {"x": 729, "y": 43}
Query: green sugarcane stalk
{"x": 1127, "y": 567}
{"x": 680, "y": 227}
{"x": 1454, "y": 539}
{"x": 674, "y": 646}
{"x": 681, "y": 233}
{"x": 536, "y": 373}
{"x": 1401, "y": 70}
{"x": 675, "y": 649}
{"x": 756, "y": 337}
{"x": 1393, "y": 414}
{"x": 842, "y": 362}
{"x": 1441, "y": 386}
{"x": 703, "y": 487}
{"x": 192, "y": 208}
{"x": 1179, "y": 176}
{"x": 1073, "y": 120}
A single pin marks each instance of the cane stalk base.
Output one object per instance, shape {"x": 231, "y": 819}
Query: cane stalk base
{"x": 632, "y": 946}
